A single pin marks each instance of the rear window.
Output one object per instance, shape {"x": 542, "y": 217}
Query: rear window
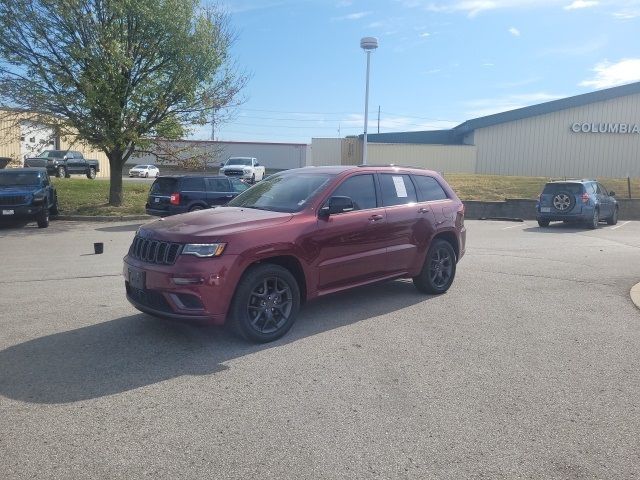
{"x": 573, "y": 188}
{"x": 163, "y": 186}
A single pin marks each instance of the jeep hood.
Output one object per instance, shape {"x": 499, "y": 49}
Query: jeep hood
{"x": 212, "y": 224}
{"x": 19, "y": 189}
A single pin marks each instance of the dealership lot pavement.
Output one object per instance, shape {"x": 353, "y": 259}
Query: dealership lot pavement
{"x": 528, "y": 368}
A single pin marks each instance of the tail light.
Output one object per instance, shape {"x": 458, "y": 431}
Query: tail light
{"x": 585, "y": 198}
{"x": 175, "y": 199}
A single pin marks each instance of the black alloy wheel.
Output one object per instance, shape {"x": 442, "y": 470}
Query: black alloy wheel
{"x": 266, "y": 303}
{"x": 439, "y": 269}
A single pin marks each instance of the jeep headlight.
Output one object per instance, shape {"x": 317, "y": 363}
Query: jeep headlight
{"x": 204, "y": 249}
{"x": 39, "y": 197}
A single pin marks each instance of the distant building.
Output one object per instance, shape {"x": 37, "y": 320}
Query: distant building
{"x": 594, "y": 134}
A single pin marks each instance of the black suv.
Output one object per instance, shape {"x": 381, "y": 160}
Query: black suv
{"x": 179, "y": 194}
{"x": 584, "y": 201}
{"x": 27, "y": 193}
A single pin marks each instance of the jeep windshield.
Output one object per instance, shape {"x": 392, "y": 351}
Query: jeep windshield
{"x": 282, "y": 192}
{"x": 12, "y": 179}
{"x": 238, "y": 161}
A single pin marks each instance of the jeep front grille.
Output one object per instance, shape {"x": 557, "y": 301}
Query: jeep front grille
{"x": 13, "y": 200}
{"x": 154, "y": 251}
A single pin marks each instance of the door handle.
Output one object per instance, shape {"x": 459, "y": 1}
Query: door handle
{"x": 375, "y": 218}
{"x": 229, "y": 196}
{"x": 423, "y": 210}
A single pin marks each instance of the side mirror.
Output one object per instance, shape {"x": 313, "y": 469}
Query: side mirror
{"x": 612, "y": 194}
{"x": 222, "y": 164}
{"x": 337, "y": 205}
{"x": 257, "y": 164}
{"x": 66, "y": 157}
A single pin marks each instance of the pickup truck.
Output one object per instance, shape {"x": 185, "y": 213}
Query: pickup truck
{"x": 243, "y": 167}
{"x": 64, "y": 163}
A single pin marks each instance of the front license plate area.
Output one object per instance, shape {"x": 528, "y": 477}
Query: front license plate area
{"x": 545, "y": 209}
{"x": 8, "y": 212}
{"x": 137, "y": 278}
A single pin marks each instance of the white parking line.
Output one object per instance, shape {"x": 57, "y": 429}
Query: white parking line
{"x": 514, "y": 226}
{"x": 621, "y": 225}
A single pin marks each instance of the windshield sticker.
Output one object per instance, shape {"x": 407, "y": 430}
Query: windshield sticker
{"x": 401, "y": 190}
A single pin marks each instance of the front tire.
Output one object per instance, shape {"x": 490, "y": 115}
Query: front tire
{"x": 439, "y": 269}
{"x": 91, "y": 174}
{"x": 543, "y": 223}
{"x": 265, "y": 304}
{"x": 54, "y": 208}
{"x": 61, "y": 172}
{"x": 43, "y": 219}
{"x": 613, "y": 219}
{"x": 253, "y": 178}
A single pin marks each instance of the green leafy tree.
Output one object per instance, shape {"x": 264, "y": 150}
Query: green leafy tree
{"x": 117, "y": 73}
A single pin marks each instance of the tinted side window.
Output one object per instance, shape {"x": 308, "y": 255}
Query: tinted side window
{"x": 429, "y": 189}
{"x": 397, "y": 190}
{"x": 218, "y": 184}
{"x": 192, "y": 184}
{"x": 602, "y": 190}
{"x": 361, "y": 189}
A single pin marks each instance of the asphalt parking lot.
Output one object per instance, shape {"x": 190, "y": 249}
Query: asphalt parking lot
{"x": 529, "y": 367}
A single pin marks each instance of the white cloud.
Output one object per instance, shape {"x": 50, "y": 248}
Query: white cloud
{"x": 353, "y": 16}
{"x": 425, "y": 34}
{"x": 488, "y": 64}
{"x": 375, "y": 25}
{"x": 396, "y": 123}
{"x": 514, "y": 31}
{"x": 609, "y": 74}
{"x": 474, "y": 7}
{"x": 627, "y": 14}
{"x": 488, "y": 106}
{"x": 344, "y": 3}
{"x": 579, "y": 4}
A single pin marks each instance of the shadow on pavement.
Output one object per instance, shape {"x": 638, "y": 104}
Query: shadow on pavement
{"x": 138, "y": 350}
{"x": 559, "y": 227}
{"x": 30, "y": 227}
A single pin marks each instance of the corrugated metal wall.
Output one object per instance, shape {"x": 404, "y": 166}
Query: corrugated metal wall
{"x": 9, "y": 139}
{"x": 326, "y": 151}
{"x": 441, "y": 158}
{"x": 271, "y": 155}
{"x": 545, "y": 145}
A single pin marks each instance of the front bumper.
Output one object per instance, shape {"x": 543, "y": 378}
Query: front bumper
{"x": 21, "y": 211}
{"x": 207, "y": 301}
{"x": 585, "y": 214}
{"x": 238, "y": 174}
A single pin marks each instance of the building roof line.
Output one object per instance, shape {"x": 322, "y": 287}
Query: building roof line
{"x": 548, "y": 107}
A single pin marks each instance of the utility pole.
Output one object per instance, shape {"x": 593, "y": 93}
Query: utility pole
{"x": 378, "y": 118}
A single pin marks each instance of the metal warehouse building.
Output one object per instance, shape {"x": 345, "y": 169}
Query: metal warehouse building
{"x": 594, "y": 134}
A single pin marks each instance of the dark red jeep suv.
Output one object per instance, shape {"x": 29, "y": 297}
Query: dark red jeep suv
{"x": 296, "y": 236}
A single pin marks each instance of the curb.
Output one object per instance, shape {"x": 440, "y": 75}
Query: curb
{"x": 635, "y": 294}
{"x": 103, "y": 218}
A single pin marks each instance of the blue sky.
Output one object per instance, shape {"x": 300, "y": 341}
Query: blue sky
{"x": 438, "y": 63}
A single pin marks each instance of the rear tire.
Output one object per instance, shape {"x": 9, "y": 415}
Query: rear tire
{"x": 613, "y": 219}
{"x": 195, "y": 208}
{"x": 543, "y": 223}
{"x": 439, "y": 269}
{"x": 43, "y": 219}
{"x": 265, "y": 304}
{"x": 593, "y": 223}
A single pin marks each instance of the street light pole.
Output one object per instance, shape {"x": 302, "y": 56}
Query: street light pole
{"x": 367, "y": 44}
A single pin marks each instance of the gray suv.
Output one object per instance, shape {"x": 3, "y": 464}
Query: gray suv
{"x": 584, "y": 201}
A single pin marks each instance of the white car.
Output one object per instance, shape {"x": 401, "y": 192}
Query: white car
{"x": 247, "y": 168}
{"x": 145, "y": 171}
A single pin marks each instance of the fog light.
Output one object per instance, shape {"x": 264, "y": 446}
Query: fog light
{"x": 188, "y": 280}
